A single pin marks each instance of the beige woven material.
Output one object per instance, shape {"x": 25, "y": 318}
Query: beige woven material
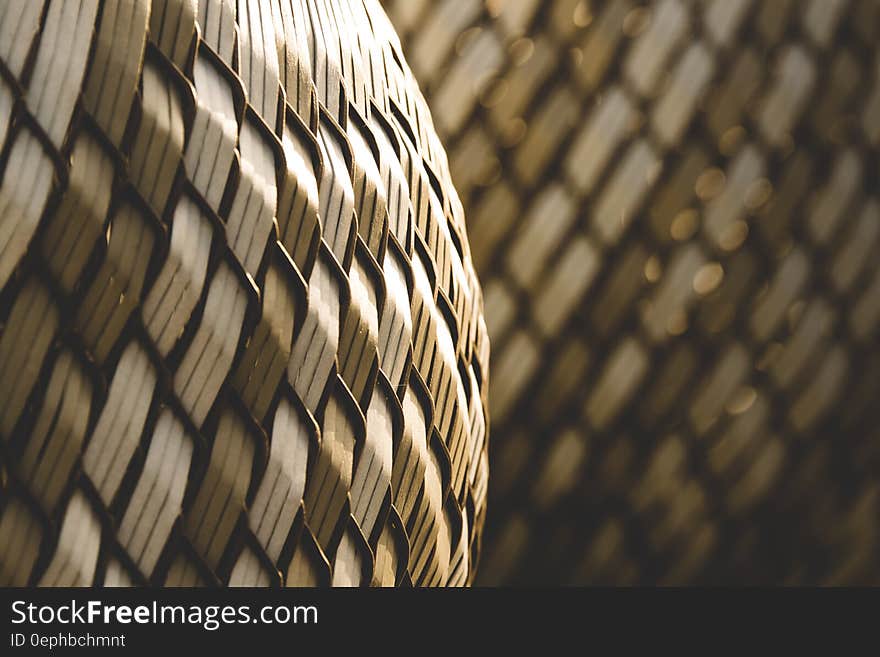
{"x": 242, "y": 338}
{"x": 674, "y": 208}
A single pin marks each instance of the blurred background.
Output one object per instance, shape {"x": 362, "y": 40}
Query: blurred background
{"x": 674, "y": 207}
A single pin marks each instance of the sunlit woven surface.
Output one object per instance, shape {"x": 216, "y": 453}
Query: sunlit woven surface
{"x": 242, "y": 338}
{"x": 674, "y": 207}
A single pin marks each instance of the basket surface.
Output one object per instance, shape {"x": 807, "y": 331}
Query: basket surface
{"x": 241, "y": 337}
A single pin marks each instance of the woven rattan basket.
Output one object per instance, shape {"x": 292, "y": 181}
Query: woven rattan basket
{"x": 241, "y": 337}
{"x": 674, "y": 208}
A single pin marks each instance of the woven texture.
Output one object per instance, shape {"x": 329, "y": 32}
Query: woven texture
{"x": 242, "y": 338}
{"x": 674, "y": 208}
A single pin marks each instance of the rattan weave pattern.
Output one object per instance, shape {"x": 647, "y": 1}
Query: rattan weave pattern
{"x": 242, "y": 338}
{"x": 674, "y": 208}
